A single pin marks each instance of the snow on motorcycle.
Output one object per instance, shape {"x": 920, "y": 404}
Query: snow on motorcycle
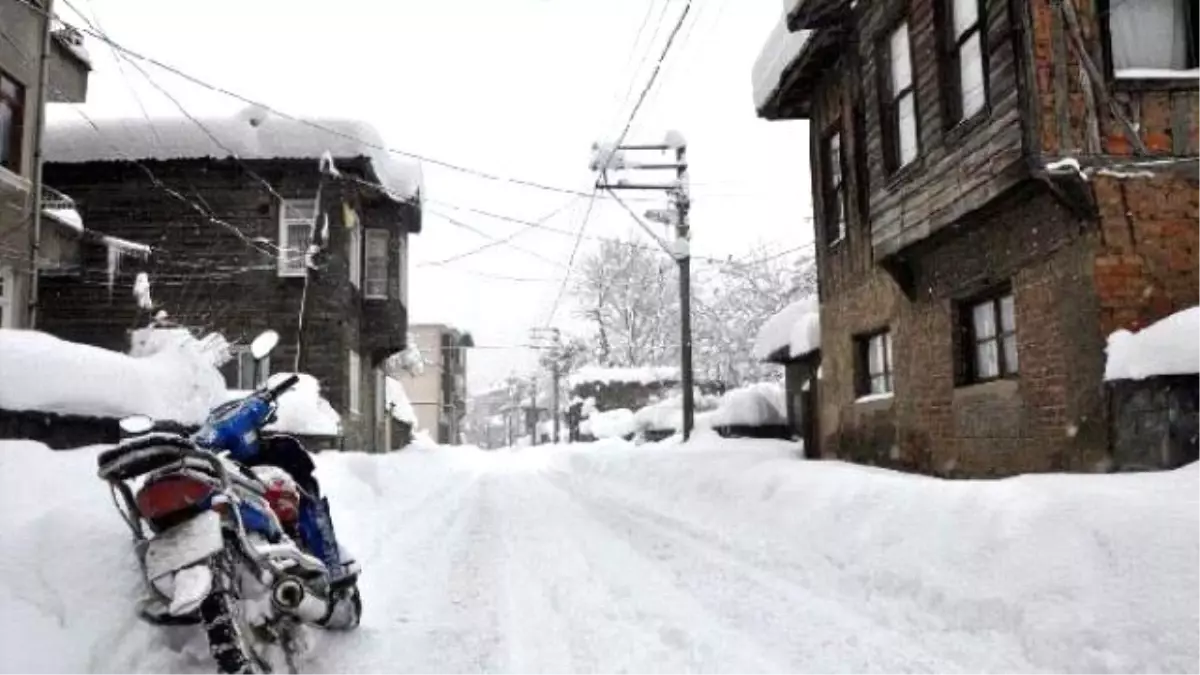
{"x": 231, "y": 531}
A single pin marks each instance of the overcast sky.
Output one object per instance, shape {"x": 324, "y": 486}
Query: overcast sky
{"x": 519, "y": 88}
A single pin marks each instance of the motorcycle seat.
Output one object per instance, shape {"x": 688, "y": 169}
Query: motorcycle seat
{"x": 139, "y": 456}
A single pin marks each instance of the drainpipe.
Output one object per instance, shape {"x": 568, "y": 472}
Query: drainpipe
{"x": 35, "y": 243}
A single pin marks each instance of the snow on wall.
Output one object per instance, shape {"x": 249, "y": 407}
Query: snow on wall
{"x": 251, "y": 134}
{"x": 398, "y": 401}
{"x": 639, "y": 375}
{"x": 1167, "y": 347}
{"x": 780, "y": 51}
{"x": 170, "y": 379}
{"x": 759, "y": 404}
{"x": 797, "y": 328}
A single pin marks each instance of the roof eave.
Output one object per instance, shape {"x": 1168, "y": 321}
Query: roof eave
{"x": 792, "y": 99}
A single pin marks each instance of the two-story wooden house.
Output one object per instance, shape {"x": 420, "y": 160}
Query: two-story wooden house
{"x": 253, "y": 222}
{"x": 998, "y": 185}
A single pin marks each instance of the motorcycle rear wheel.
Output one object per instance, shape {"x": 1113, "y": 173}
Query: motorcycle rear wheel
{"x": 229, "y": 639}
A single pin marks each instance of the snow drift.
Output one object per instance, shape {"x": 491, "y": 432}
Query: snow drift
{"x": 1167, "y": 347}
{"x": 168, "y": 377}
{"x": 755, "y": 405}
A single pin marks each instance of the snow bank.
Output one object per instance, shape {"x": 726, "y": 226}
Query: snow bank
{"x": 667, "y": 414}
{"x": 796, "y": 328}
{"x": 639, "y": 375}
{"x": 759, "y": 404}
{"x": 780, "y": 51}
{"x": 251, "y": 134}
{"x": 168, "y": 376}
{"x": 609, "y": 424}
{"x": 301, "y": 410}
{"x": 1167, "y": 347}
{"x": 398, "y": 402}
{"x": 1057, "y": 573}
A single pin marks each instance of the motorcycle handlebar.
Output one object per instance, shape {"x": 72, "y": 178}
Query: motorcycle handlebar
{"x": 288, "y": 382}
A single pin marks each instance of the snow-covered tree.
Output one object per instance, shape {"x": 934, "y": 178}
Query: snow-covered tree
{"x": 630, "y": 297}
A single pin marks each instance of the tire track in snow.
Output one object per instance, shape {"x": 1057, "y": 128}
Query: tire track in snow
{"x": 815, "y": 633}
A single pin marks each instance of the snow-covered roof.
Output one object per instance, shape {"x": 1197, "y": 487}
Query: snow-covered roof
{"x": 780, "y": 51}
{"x": 398, "y": 402}
{"x": 759, "y": 404}
{"x": 250, "y": 134}
{"x": 796, "y": 329}
{"x": 1167, "y": 347}
{"x": 636, "y": 375}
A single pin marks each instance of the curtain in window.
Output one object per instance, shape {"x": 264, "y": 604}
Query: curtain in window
{"x": 1148, "y": 34}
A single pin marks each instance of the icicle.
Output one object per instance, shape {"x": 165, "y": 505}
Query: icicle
{"x": 141, "y": 290}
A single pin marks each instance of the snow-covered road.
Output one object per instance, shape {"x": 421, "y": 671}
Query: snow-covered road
{"x": 719, "y": 557}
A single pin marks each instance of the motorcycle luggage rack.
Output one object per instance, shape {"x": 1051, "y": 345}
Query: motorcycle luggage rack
{"x": 140, "y": 456}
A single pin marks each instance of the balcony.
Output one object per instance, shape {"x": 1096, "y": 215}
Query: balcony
{"x": 60, "y": 208}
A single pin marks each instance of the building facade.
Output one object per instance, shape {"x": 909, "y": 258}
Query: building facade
{"x": 986, "y": 213}
{"x": 237, "y": 246}
{"x": 439, "y": 393}
{"x": 54, "y": 245}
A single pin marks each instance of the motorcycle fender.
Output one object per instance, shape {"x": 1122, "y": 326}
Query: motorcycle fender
{"x": 192, "y": 586}
{"x": 184, "y": 545}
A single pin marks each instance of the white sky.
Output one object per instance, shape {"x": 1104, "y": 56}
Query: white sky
{"x": 513, "y": 87}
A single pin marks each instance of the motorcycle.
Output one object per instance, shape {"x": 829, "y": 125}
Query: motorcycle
{"x": 220, "y": 543}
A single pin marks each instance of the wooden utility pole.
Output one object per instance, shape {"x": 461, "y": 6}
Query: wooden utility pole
{"x": 35, "y": 234}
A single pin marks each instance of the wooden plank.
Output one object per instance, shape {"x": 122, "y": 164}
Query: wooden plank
{"x": 1181, "y": 122}
{"x": 1061, "y": 110}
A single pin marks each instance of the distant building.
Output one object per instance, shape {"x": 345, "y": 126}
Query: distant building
{"x": 251, "y": 231}
{"x": 439, "y": 393}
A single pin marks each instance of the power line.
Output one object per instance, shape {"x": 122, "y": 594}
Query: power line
{"x": 485, "y": 235}
{"x": 562, "y": 289}
{"x": 313, "y": 124}
{"x": 653, "y": 75}
{"x": 504, "y": 241}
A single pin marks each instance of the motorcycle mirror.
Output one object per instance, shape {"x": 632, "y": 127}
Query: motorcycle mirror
{"x": 263, "y": 344}
{"x": 136, "y": 424}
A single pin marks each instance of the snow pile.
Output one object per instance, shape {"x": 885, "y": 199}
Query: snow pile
{"x": 1167, "y": 347}
{"x": 755, "y": 405}
{"x": 638, "y": 375}
{"x": 796, "y": 328}
{"x": 300, "y": 410}
{"x": 168, "y": 376}
{"x": 251, "y": 134}
{"x": 398, "y": 402}
{"x": 609, "y": 424}
{"x": 667, "y": 414}
{"x": 780, "y": 51}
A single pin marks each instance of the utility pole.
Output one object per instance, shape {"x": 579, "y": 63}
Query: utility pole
{"x": 554, "y": 335}
{"x": 35, "y": 235}
{"x": 612, "y": 158}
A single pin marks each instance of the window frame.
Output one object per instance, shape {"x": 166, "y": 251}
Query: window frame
{"x": 354, "y": 249}
{"x": 16, "y": 133}
{"x": 971, "y": 341}
{"x": 889, "y": 101}
{"x": 951, "y": 61}
{"x": 354, "y": 384}
{"x": 864, "y": 378}
{"x": 1166, "y": 83}
{"x": 380, "y": 291}
{"x": 8, "y": 280}
{"x": 402, "y": 267}
{"x": 283, "y": 267}
{"x": 834, "y": 195}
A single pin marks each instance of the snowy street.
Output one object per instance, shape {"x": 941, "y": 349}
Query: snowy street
{"x": 720, "y": 556}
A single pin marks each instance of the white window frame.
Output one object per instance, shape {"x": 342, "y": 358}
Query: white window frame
{"x": 289, "y": 253}
{"x": 354, "y": 399}
{"x": 375, "y": 267}
{"x": 244, "y": 369}
{"x": 902, "y": 94}
{"x": 966, "y": 37}
{"x": 878, "y": 376}
{"x": 7, "y": 295}
{"x": 354, "y": 247}
{"x": 1145, "y": 44}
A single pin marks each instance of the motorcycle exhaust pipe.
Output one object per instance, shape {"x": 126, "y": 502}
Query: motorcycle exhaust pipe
{"x": 289, "y": 595}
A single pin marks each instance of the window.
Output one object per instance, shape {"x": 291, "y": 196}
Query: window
{"x": 355, "y": 382}
{"x": 899, "y": 99}
{"x": 1152, "y": 35}
{"x": 12, "y": 117}
{"x": 875, "y": 364}
{"x": 354, "y": 255}
{"x": 7, "y": 293}
{"x": 402, "y": 277}
{"x": 965, "y": 72}
{"x": 992, "y": 344}
{"x": 835, "y": 194}
{"x": 239, "y": 372}
{"x": 376, "y": 282}
{"x": 296, "y": 221}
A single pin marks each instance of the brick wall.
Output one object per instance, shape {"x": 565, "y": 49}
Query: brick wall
{"x": 1050, "y": 416}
